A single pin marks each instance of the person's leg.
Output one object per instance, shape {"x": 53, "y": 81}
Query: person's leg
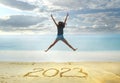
{"x": 65, "y": 41}
{"x": 52, "y": 45}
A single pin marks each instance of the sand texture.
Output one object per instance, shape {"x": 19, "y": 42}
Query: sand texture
{"x": 51, "y": 72}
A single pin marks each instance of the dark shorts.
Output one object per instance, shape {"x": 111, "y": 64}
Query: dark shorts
{"x": 60, "y": 37}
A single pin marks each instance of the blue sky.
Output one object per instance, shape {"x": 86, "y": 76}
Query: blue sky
{"x": 85, "y": 16}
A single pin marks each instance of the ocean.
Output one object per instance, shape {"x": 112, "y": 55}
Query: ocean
{"x": 89, "y": 42}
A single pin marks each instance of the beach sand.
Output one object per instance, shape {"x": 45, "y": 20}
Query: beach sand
{"x": 66, "y": 72}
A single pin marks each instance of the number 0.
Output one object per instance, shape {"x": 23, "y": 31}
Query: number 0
{"x": 52, "y": 75}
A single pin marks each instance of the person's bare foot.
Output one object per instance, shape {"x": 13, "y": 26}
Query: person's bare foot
{"x": 75, "y": 49}
{"x": 46, "y": 50}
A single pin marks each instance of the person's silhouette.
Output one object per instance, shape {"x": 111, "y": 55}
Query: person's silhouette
{"x": 60, "y": 27}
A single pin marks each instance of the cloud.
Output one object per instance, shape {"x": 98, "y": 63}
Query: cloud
{"x": 20, "y": 22}
{"x": 18, "y": 4}
{"x": 96, "y": 22}
{"x": 85, "y": 15}
{"x": 82, "y": 4}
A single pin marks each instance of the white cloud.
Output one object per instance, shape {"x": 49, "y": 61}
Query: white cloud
{"x": 18, "y": 4}
{"x": 81, "y": 4}
{"x": 20, "y": 22}
{"x": 85, "y": 15}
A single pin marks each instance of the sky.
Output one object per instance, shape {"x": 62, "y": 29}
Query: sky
{"x": 85, "y": 16}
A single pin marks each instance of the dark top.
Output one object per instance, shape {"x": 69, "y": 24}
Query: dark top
{"x": 60, "y": 30}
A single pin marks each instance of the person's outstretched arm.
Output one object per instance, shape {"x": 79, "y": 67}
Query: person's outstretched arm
{"x": 66, "y": 18}
{"x": 53, "y": 19}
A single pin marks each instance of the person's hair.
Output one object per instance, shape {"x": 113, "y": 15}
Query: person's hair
{"x": 61, "y": 24}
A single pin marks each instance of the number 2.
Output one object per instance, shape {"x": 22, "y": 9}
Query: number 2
{"x": 62, "y": 74}
{"x": 30, "y": 74}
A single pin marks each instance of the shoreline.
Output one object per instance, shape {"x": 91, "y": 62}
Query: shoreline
{"x": 59, "y": 56}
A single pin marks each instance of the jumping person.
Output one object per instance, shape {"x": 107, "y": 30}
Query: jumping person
{"x": 60, "y": 27}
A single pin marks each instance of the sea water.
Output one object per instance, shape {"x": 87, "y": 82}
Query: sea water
{"x": 89, "y": 42}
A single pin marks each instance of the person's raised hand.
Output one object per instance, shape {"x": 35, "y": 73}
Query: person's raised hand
{"x": 67, "y": 14}
{"x": 51, "y": 15}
